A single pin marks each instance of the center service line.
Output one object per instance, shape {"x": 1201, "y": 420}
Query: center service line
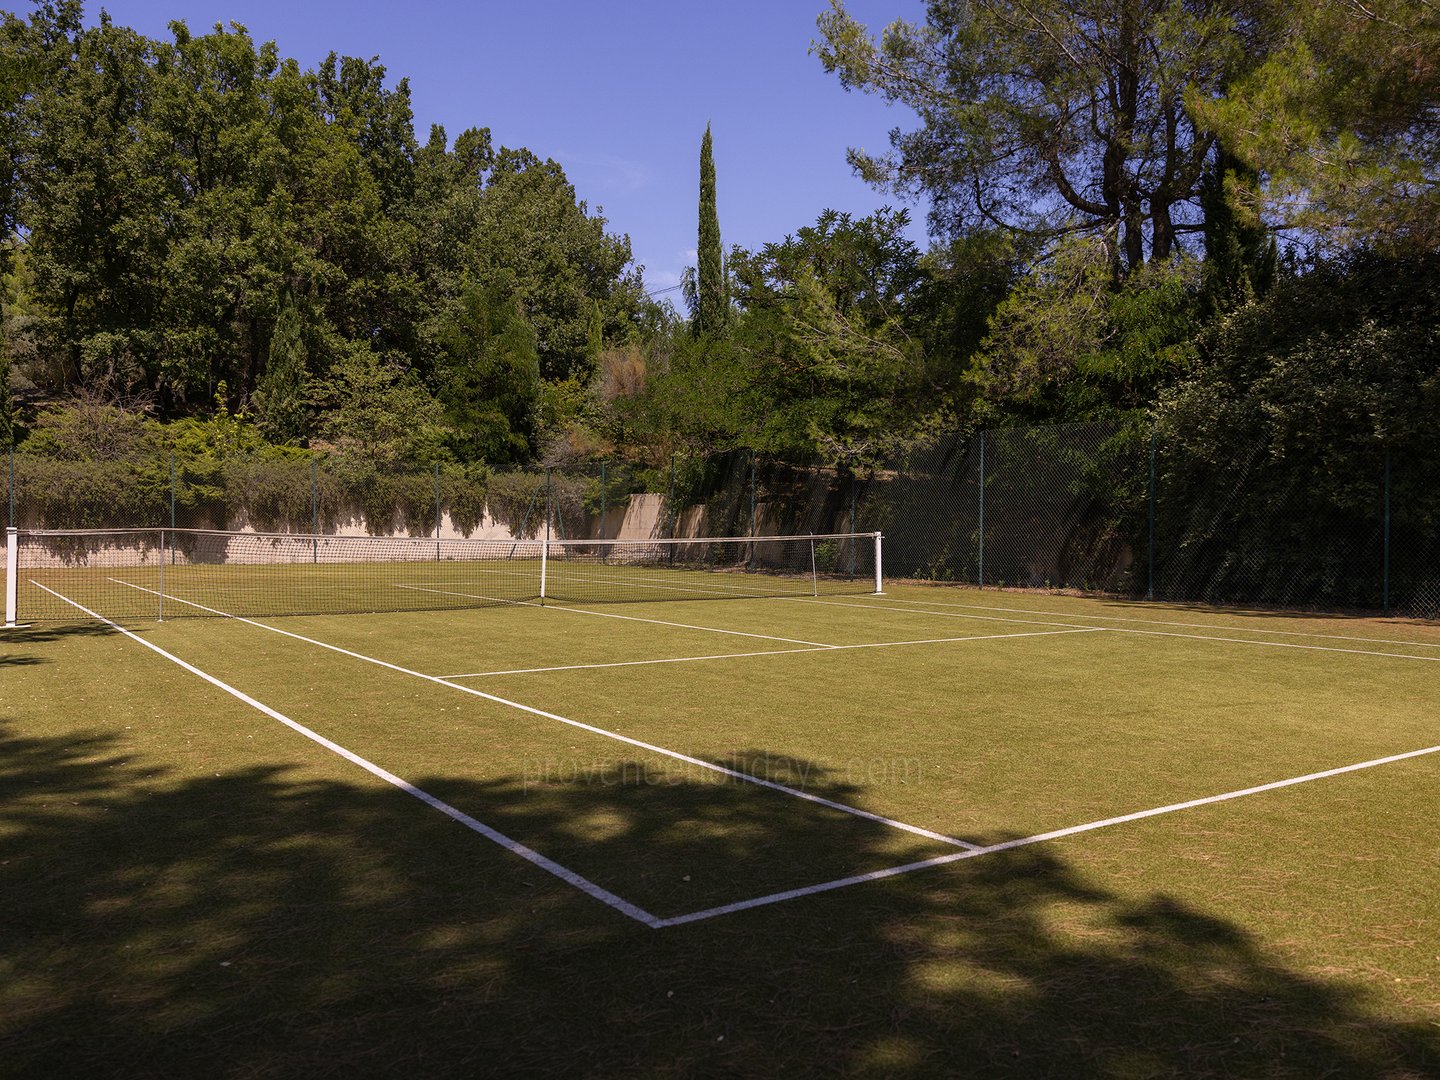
{"x": 736, "y": 774}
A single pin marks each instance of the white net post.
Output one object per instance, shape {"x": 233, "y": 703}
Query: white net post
{"x": 814, "y": 576}
{"x": 879, "y": 574}
{"x": 12, "y": 572}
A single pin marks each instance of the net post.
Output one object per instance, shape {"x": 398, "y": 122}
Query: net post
{"x": 879, "y": 573}
{"x": 12, "y": 573}
{"x": 814, "y": 577}
{"x": 160, "y": 593}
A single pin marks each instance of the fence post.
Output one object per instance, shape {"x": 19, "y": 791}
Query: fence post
{"x": 982, "y": 510}
{"x": 601, "y": 529}
{"x": 545, "y": 543}
{"x": 10, "y": 521}
{"x": 752, "y": 495}
{"x": 1385, "y": 575}
{"x": 854, "y": 553}
{"x": 314, "y": 516}
{"x": 437, "y": 511}
{"x": 674, "y": 517}
{"x": 172, "y": 509}
{"x": 1150, "y": 562}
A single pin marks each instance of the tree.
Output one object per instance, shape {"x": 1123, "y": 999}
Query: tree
{"x": 1066, "y": 345}
{"x": 1240, "y": 253}
{"x": 490, "y": 379}
{"x": 1051, "y": 117}
{"x": 712, "y": 301}
{"x": 822, "y": 346}
{"x": 1341, "y": 120}
{"x": 280, "y": 395}
{"x": 7, "y": 402}
{"x": 378, "y": 412}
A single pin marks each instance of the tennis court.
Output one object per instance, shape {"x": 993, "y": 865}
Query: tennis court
{"x": 784, "y": 767}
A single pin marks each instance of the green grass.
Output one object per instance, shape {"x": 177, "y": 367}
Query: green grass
{"x": 191, "y": 887}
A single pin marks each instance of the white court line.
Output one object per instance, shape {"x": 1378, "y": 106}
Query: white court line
{"x": 1056, "y": 834}
{"x": 885, "y": 600}
{"x": 530, "y": 855}
{"x": 676, "y": 755}
{"x": 1122, "y": 630}
{"x": 775, "y": 652}
{"x": 612, "y": 615}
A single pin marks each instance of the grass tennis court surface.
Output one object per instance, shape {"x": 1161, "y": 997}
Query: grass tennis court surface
{"x": 938, "y": 832}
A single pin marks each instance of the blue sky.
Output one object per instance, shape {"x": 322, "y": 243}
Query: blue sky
{"x": 619, "y": 93}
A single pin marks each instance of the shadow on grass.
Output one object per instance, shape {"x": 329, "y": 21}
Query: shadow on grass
{"x": 28, "y": 636}
{"x": 252, "y": 922}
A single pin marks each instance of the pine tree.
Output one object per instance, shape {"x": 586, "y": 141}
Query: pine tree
{"x": 712, "y": 303}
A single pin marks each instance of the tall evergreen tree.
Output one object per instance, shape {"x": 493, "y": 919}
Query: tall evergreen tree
{"x": 280, "y": 396}
{"x": 711, "y": 299}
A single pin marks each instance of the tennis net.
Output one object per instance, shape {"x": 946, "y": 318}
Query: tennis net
{"x": 51, "y": 575}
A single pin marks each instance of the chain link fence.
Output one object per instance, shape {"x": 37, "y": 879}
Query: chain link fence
{"x": 1110, "y": 508}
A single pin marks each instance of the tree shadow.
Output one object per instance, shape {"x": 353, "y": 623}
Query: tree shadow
{"x": 256, "y": 922}
{"x": 29, "y": 636}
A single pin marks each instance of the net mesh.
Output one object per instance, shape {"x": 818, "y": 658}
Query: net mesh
{"x": 141, "y": 573}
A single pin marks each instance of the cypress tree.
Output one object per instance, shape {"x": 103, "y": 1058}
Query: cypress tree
{"x": 712, "y": 303}
{"x": 280, "y": 396}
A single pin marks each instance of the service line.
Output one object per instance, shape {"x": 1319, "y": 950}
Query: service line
{"x": 777, "y": 652}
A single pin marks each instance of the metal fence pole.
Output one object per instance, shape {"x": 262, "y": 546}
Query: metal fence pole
{"x": 752, "y": 495}
{"x": 1150, "y": 564}
{"x": 172, "y": 509}
{"x": 674, "y": 517}
{"x": 545, "y": 543}
{"x": 437, "y": 511}
{"x": 854, "y": 545}
{"x": 981, "y": 574}
{"x": 1385, "y": 573}
{"x": 11, "y": 519}
{"x": 314, "y": 516}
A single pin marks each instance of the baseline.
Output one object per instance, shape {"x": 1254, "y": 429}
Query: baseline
{"x": 735, "y": 774}
{"x": 565, "y": 874}
{"x": 611, "y": 615}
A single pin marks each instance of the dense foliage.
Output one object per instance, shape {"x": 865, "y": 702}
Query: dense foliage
{"x": 200, "y": 216}
{"x": 1144, "y": 209}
